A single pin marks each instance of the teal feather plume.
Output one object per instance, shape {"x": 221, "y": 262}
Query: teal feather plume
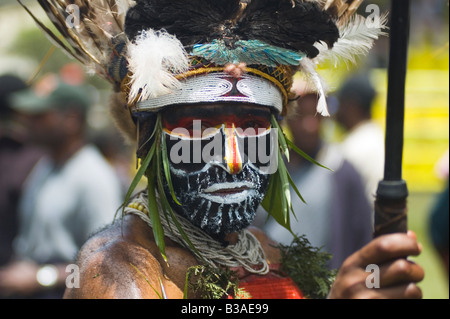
{"x": 247, "y": 51}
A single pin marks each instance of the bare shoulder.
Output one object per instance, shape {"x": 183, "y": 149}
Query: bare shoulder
{"x": 119, "y": 262}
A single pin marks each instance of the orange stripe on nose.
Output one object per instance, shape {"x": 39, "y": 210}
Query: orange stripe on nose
{"x": 232, "y": 155}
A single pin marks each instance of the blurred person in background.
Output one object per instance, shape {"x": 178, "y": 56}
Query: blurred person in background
{"x": 117, "y": 152}
{"x": 363, "y": 143}
{"x": 439, "y": 214}
{"x": 70, "y": 193}
{"x": 439, "y": 224}
{"x": 429, "y": 18}
{"x": 336, "y": 216}
{"x": 17, "y": 157}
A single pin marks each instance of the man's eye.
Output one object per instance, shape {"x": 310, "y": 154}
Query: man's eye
{"x": 253, "y": 124}
{"x": 199, "y": 129}
{"x": 252, "y": 129}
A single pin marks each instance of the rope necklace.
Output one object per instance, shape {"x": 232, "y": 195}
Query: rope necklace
{"x": 247, "y": 252}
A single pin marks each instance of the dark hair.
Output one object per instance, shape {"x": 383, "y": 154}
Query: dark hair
{"x": 358, "y": 89}
{"x": 8, "y": 85}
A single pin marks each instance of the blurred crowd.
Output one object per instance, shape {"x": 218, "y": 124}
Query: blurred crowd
{"x": 60, "y": 182}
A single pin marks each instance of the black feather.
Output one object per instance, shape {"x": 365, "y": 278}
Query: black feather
{"x": 193, "y": 21}
{"x": 275, "y": 22}
{"x": 278, "y": 23}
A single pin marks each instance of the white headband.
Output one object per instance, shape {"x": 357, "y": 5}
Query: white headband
{"x": 218, "y": 87}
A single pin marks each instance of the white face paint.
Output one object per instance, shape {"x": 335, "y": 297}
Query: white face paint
{"x": 216, "y": 201}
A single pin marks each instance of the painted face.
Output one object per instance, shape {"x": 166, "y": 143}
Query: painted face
{"x": 220, "y": 163}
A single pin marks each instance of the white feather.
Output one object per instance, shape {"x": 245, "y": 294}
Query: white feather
{"x": 154, "y": 58}
{"x": 308, "y": 68}
{"x": 356, "y": 38}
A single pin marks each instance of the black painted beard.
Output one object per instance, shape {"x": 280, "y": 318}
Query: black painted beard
{"x": 217, "y": 202}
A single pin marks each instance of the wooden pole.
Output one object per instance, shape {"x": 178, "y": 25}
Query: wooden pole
{"x": 392, "y": 192}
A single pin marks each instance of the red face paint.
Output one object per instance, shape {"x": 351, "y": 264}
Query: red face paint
{"x": 248, "y": 120}
{"x": 196, "y": 126}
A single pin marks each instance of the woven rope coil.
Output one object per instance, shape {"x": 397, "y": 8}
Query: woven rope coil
{"x": 246, "y": 253}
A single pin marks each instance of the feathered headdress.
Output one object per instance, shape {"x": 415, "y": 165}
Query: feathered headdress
{"x": 145, "y": 47}
{"x": 157, "y": 53}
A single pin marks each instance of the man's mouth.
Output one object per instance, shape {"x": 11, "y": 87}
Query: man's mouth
{"x": 228, "y": 193}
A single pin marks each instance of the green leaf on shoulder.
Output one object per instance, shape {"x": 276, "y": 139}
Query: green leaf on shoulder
{"x": 307, "y": 266}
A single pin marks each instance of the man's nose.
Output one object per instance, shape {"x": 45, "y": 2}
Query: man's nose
{"x": 232, "y": 157}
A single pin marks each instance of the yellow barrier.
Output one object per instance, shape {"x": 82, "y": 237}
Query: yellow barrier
{"x": 426, "y": 124}
{"x": 426, "y": 111}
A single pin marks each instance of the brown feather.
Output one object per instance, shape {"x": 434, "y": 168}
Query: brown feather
{"x": 341, "y": 10}
{"x": 51, "y": 35}
{"x": 90, "y": 42}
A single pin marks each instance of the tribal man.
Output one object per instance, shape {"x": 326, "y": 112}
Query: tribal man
{"x": 201, "y": 85}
